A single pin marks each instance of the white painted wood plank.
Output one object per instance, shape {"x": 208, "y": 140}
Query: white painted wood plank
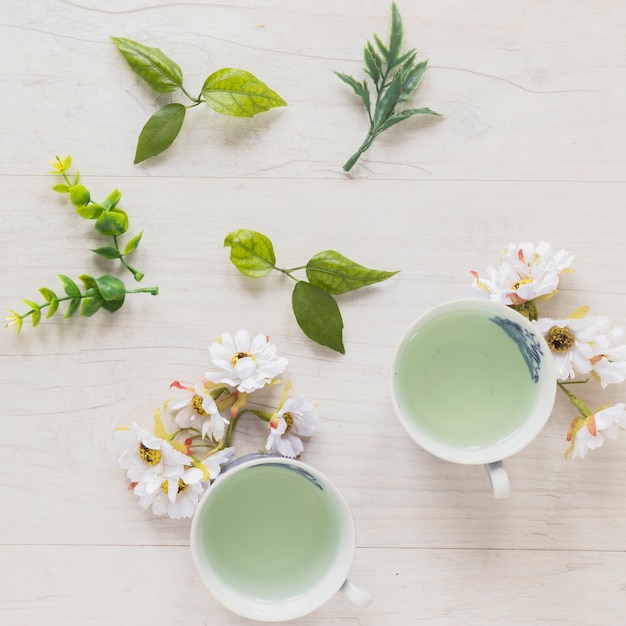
{"x": 530, "y": 91}
{"x": 144, "y": 585}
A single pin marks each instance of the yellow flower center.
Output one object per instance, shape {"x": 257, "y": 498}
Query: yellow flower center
{"x": 182, "y": 485}
{"x": 196, "y": 405}
{"x": 150, "y": 456}
{"x": 559, "y": 339}
{"x": 288, "y": 417}
{"x": 241, "y": 355}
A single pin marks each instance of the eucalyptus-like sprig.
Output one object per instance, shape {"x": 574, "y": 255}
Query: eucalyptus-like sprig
{"x": 394, "y": 75}
{"x": 228, "y": 91}
{"x": 329, "y": 273}
{"x": 106, "y": 292}
{"x": 110, "y": 220}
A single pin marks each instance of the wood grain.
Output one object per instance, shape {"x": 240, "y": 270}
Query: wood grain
{"x": 530, "y": 149}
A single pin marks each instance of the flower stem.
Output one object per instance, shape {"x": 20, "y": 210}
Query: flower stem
{"x": 577, "y": 402}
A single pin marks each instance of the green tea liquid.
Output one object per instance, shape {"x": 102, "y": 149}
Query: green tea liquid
{"x": 271, "y": 533}
{"x": 464, "y": 381}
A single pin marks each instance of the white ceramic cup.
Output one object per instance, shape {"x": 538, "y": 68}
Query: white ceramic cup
{"x": 473, "y": 382}
{"x": 273, "y": 539}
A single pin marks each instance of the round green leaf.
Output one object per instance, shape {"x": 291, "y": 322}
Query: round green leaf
{"x": 79, "y": 195}
{"x": 112, "y": 223}
{"x": 318, "y": 315}
{"x": 250, "y": 252}
{"x": 113, "y": 305}
{"x": 337, "y": 274}
{"x": 160, "y": 131}
{"x": 90, "y": 211}
{"x": 111, "y": 288}
{"x": 155, "y": 67}
{"x": 237, "y": 92}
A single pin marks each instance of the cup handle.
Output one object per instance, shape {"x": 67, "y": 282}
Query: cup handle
{"x": 499, "y": 479}
{"x": 355, "y": 593}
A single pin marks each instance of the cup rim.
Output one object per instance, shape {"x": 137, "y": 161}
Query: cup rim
{"x": 500, "y": 450}
{"x": 304, "y": 604}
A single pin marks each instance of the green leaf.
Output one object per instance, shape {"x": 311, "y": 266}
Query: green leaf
{"x": 388, "y": 102}
{"x": 69, "y": 286}
{"x": 107, "y": 252}
{"x": 54, "y": 305}
{"x": 79, "y": 195}
{"x": 111, "y": 288}
{"x": 411, "y": 80}
{"x": 35, "y": 316}
{"x": 395, "y": 36}
{"x": 156, "y": 68}
{"x": 250, "y": 252}
{"x": 91, "y": 302}
{"x": 318, "y": 315}
{"x": 337, "y": 274}
{"x": 36, "y": 311}
{"x": 112, "y": 223}
{"x": 402, "y": 115}
{"x": 48, "y": 294}
{"x": 373, "y": 62}
{"x": 88, "y": 281}
{"x": 90, "y": 211}
{"x": 160, "y": 131}
{"x": 112, "y": 200}
{"x": 61, "y": 188}
{"x": 360, "y": 88}
{"x": 113, "y": 305}
{"x": 72, "y": 308}
{"x": 356, "y": 85}
{"x": 236, "y": 92}
{"x": 131, "y": 246}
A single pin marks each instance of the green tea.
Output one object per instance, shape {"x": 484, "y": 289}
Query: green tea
{"x": 465, "y": 380}
{"x": 271, "y": 533}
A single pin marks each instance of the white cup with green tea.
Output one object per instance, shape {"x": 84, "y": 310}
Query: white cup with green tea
{"x": 273, "y": 540}
{"x": 473, "y": 382}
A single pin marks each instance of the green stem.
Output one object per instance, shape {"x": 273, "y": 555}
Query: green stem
{"x": 583, "y": 409}
{"x": 196, "y": 101}
{"x": 151, "y": 290}
{"x": 288, "y": 272}
{"x": 349, "y": 164}
{"x": 137, "y": 275}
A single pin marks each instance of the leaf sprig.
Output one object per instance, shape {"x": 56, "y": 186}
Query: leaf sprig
{"x": 106, "y": 292}
{"x": 110, "y": 220}
{"x": 329, "y": 273}
{"x": 395, "y": 75}
{"x": 228, "y": 91}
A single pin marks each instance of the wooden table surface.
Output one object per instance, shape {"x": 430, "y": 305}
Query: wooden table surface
{"x": 530, "y": 148}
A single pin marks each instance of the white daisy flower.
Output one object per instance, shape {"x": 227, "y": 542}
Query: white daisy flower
{"x": 244, "y": 363}
{"x": 527, "y": 272}
{"x": 195, "y": 408}
{"x": 608, "y": 362}
{"x": 589, "y": 433}
{"x": 570, "y": 342}
{"x": 148, "y": 459}
{"x": 294, "y": 419}
{"x": 176, "y": 497}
